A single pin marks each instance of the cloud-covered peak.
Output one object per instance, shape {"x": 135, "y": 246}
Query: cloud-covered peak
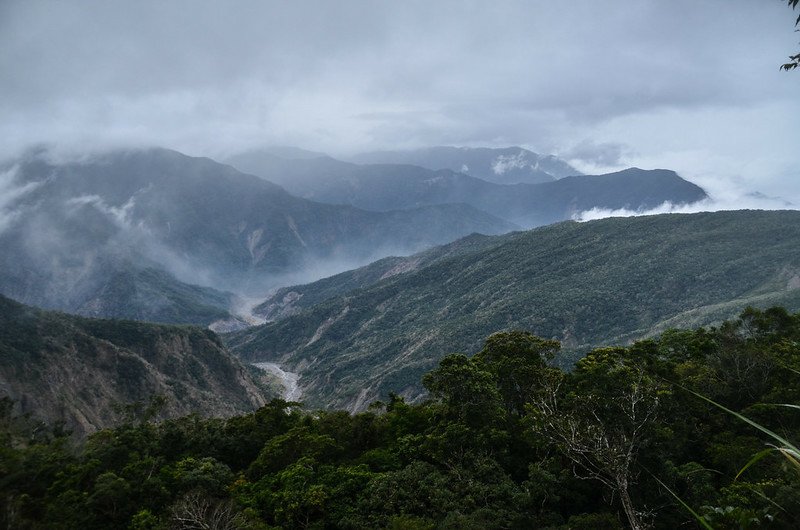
{"x": 670, "y": 82}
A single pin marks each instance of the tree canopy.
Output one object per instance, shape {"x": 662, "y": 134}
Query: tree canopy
{"x": 504, "y": 440}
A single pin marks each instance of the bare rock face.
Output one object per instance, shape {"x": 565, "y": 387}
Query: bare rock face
{"x": 83, "y": 372}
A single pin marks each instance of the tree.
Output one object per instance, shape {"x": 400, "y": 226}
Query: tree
{"x": 197, "y": 512}
{"x": 794, "y": 60}
{"x": 516, "y": 359}
{"x": 467, "y": 393}
{"x": 598, "y": 418}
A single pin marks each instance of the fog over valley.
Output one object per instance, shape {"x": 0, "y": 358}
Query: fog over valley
{"x": 406, "y": 265}
{"x": 301, "y": 141}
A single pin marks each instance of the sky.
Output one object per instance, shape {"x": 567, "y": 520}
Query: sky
{"x": 688, "y": 85}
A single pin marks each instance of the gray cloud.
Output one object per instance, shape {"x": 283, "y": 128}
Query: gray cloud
{"x": 10, "y": 191}
{"x": 751, "y": 201}
{"x": 213, "y": 78}
{"x": 599, "y": 154}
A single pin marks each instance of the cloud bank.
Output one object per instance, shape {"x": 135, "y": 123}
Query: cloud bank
{"x": 693, "y": 86}
{"x": 754, "y": 201}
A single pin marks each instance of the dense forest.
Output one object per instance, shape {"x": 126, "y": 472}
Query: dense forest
{"x": 649, "y": 435}
{"x": 359, "y": 335}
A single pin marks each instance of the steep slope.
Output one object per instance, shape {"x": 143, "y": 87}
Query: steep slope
{"x": 385, "y": 187}
{"x": 75, "y": 252}
{"x": 150, "y": 294}
{"x": 79, "y": 371}
{"x": 76, "y": 227}
{"x": 288, "y": 301}
{"x": 509, "y": 165}
{"x": 585, "y": 284}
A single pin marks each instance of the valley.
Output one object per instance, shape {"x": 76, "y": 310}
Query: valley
{"x": 161, "y": 236}
{"x": 361, "y": 265}
{"x": 357, "y": 336}
{"x": 88, "y": 374}
{"x": 289, "y": 380}
{"x": 165, "y": 237}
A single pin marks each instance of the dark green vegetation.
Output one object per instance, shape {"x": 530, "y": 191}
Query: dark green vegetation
{"x": 506, "y": 440}
{"x": 794, "y": 60}
{"x": 386, "y": 187}
{"x": 584, "y": 284}
{"x": 79, "y": 371}
{"x": 287, "y": 301}
{"x": 163, "y": 220}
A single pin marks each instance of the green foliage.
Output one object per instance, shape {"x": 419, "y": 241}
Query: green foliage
{"x": 604, "y": 282}
{"x": 467, "y": 393}
{"x": 505, "y": 440}
{"x": 516, "y": 361}
{"x": 794, "y": 60}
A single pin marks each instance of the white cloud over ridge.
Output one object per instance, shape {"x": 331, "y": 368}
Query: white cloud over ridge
{"x": 10, "y": 191}
{"x": 623, "y": 82}
{"x": 503, "y": 163}
{"x": 749, "y": 202}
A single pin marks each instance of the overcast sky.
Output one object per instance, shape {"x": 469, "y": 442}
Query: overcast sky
{"x": 688, "y": 85}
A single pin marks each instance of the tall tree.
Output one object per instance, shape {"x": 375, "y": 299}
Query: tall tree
{"x": 598, "y": 418}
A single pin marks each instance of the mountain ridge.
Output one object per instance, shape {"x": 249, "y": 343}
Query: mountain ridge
{"x": 79, "y": 371}
{"x": 81, "y": 223}
{"x": 508, "y": 165}
{"x": 582, "y": 283}
{"x": 381, "y": 187}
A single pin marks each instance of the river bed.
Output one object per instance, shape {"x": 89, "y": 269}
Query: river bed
{"x": 292, "y": 390}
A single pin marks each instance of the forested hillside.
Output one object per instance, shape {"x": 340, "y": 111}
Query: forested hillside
{"x": 628, "y": 439}
{"x": 83, "y": 373}
{"x": 585, "y": 284}
{"x": 399, "y": 265}
{"x": 290, "y": 300}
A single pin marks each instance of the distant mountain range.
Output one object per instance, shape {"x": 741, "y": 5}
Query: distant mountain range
{"x": 82, "y": 372}
{"x": 509, "y": 165}
{"x": 361, "y": 334}
{"x": 392, "y": 186}
{"x": 156, "y": 235}
{"x": 127, "y": 234}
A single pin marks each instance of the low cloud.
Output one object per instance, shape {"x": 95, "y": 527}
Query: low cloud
{"x": 121, "y": 215}
{"x": 10, "y": 192}
{"x": 503, "y": 163}
{"x": 751, "y": 201}
{"x": 607, "y": 154}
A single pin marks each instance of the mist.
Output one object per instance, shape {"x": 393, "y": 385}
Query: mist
{"x": 646, "y": 83}
{"x": 10, "y": 192}
{"x": 719, "y": 200}
{"x": 688, "y": 86}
